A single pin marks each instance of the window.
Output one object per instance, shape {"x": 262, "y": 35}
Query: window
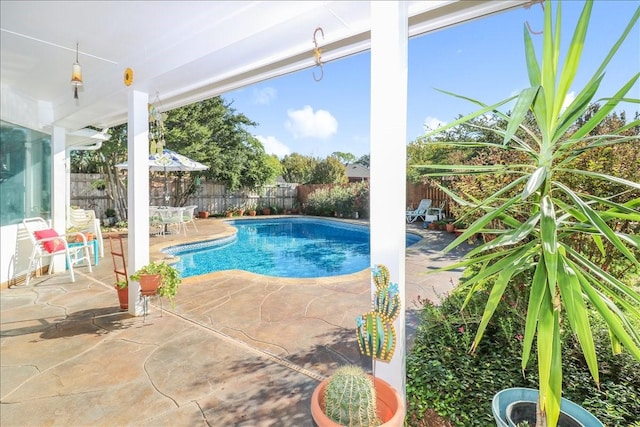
{"x": 25, "y": 174}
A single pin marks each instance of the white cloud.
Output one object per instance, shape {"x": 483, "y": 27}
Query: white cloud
{"x": 432, "y": 123}
{"x": 264, "y": 96}
{"x": 305, "y": 123}
{"x": 273, "y": 146}
{"x": 568, "y": 100}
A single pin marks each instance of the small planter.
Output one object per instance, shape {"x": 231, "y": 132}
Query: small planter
{"x": 390, "y": 406}
{"x": 123, "y": 297}
{"x": 203, "y": 214}
{"x": 450, "y": 227}
{"x": 149, "y": 284}
{"x": 266, "y": 211}
{"x": 252, "y": 213}
{"x": 509, "y": 403}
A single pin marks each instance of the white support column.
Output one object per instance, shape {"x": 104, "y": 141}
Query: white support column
{"x": 138, "y": 192}
{"x": 389, "y": 50}
{"x": 59, "y": 188}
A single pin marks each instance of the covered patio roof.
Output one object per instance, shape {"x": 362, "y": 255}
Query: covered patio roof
{"x": 184, "y": 52}
{"x": 181, "y": 51}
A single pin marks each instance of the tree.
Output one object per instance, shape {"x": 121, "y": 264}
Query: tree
{"x": 208, "y": 131}
{"x": 298, "y": 168}
{"x": 364, "y": 160}
{"x": 213, "y": 133}
{"x": 329, "y": 171}
{"x": 547, "y": 212}
{"x": 345, "y": 158}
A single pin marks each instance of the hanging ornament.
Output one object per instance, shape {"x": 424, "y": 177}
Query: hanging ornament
{"x": 76, "y": 75}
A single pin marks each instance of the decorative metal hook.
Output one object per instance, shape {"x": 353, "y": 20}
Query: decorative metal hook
{"x": 317, "y": 52}
{"x": 527, "y": 22}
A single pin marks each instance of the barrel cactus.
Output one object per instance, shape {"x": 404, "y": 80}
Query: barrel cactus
{"x": 350, "y": 398}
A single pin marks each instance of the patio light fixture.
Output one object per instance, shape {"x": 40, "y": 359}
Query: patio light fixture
{"x": 76, "y": 75}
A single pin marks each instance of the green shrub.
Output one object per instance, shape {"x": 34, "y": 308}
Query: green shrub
{"x": 341, "y": 200}
{"x": 443, "y": 377}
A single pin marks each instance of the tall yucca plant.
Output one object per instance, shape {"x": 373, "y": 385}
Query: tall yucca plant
{"x": 540, "y": 221}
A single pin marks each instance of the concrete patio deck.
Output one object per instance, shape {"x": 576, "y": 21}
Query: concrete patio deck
{"x": 238, "y": 349}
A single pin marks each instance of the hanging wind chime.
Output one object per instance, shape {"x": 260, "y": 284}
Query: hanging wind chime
{"x": 156, "y": 128}
{"x": 76, "y": 75}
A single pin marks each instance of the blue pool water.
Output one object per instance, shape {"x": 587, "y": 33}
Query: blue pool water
{"x": 282, "y": 247}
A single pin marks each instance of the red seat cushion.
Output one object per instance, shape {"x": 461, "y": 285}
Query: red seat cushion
{"x": 52, "y": 245}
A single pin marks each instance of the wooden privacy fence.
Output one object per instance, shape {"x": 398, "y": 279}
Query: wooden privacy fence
{"x": 215, "y": 197}
{"x": 417, "y": 192}
{"x": 210, "y": 196}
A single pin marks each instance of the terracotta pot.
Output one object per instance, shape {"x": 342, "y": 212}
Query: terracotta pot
{"x": 123, "y": 297}
{"x": 149, "y": 284}
{"x": 252, "y": 213}
{"x": 450, "y": 227}
{"x": 203, "y": 214}
{"x": 390, "y": 406}
{"x": 266, "y": 211}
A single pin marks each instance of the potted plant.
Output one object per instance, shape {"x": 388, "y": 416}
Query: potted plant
{"x": 110, "y": 215}
{"x": 450, "y": 226}
{"x": 158, "y": 278}
{"x": 122, "y": 288}
{"x": 372, "y": 401}
{"x": 251, "y": 209}
{"x": 546, "y": 220}
{"x": 203, "y": 214}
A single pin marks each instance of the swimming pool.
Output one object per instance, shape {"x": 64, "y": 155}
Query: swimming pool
{"x": 282, "y": 247}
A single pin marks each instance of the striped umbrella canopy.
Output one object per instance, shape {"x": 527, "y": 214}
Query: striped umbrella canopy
{"x": 170, "y": 161}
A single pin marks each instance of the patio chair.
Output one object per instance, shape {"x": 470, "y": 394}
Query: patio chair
{"x": 188, "y": 215}
{"x": 439, "y": 211}
{"x": 48, "y": 243}
{"x": 85, "y": 220}
{"x": 171, "y": 216}
{"x": 420, "y": 211}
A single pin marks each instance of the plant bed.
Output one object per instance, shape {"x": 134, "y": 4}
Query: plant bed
{"x": 458, "y": 386}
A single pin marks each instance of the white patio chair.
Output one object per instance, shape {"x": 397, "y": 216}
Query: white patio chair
{"x": 188, "y": 215}
{"x": 85, "y": 220}
{"x": 171, "y": 217}
{"x": 439, "y": 211}
{"x": 420, "y": 211}
{"x": 48, "y": 243}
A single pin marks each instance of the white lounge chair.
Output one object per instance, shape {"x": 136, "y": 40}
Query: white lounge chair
{"x": 420, "y": 211}
{"x": 48, "y": 243}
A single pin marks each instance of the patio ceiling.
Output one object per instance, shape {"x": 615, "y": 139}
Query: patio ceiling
{"x": 181, "y": 51}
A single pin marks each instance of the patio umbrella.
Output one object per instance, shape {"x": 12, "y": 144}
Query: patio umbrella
{"x": 169, "y": 161}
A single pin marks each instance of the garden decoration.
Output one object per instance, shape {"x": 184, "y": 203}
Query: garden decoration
{"x": 375, "y": 330}
{"x": 547, "y": 217}
{"x": 351, "y": 397}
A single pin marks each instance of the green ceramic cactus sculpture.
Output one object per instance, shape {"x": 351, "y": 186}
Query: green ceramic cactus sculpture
{"x": 350, "y": 398}
{"x": 375, "y": 331}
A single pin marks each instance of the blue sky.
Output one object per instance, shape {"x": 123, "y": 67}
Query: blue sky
{"x": 482, "y": 59}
